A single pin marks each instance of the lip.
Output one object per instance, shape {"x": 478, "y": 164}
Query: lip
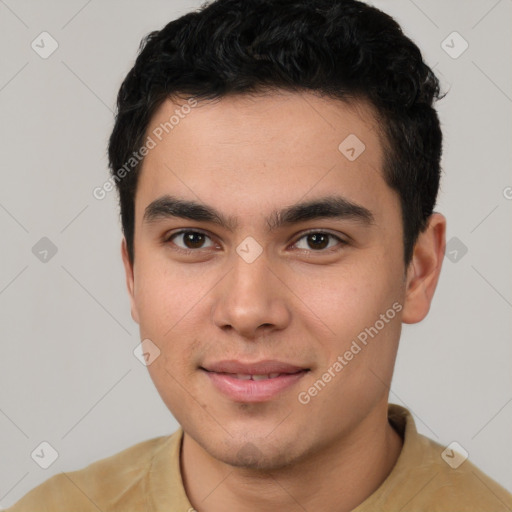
{"x": 257, "y": 368}
{"x": 223, "y": 376}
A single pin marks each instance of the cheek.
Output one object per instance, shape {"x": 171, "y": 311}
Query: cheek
{"x": 165, "y": 295}
{"x": 169, "y": 305}
{"x": 347, "y": 298}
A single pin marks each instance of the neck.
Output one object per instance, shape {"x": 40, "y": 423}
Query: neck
{"x": 337, "y": 479}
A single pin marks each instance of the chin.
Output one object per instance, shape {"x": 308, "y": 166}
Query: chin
{"x": 250, "y": 456}
{"x": 256, "y": 454}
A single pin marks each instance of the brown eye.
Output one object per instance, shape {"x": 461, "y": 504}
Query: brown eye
{"x": 189, "y": 240}
{"x": 319, "y": 240}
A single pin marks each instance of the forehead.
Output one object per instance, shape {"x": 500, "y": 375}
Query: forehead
{"x": 280, "y": 118}
{"x": 261, "y": 149}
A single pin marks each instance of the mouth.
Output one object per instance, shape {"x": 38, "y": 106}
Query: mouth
{"x": 244, "y": 376}
{"x": 254, "y": 382}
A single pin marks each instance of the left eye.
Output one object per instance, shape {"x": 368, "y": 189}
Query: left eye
{"x": 318, "y": 240}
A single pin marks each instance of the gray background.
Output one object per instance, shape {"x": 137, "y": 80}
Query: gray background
{"x": 68, "y": 373}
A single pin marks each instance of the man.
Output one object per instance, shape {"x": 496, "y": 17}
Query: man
{"x": 278, "y": 165}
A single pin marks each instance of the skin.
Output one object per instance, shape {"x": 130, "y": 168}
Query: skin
{"x": 247, "y": 156}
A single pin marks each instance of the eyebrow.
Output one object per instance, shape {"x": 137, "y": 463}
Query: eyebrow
{"x": 331, "y": 207}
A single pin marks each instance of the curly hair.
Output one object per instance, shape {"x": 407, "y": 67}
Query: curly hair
{"x": 343, "y": 49}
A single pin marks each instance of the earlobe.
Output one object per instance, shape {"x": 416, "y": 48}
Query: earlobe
{"x": 424, "y": 270}
{"x": 130, "y": 279}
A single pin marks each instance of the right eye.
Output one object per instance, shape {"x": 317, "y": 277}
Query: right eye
{"x": 188, "y": 240}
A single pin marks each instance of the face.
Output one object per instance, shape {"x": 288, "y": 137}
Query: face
{"x": 289, "y": 258}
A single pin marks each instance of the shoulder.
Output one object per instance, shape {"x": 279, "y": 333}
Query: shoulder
{"x": 430, "y": 477}
{"x": 454, "y": 481}
{"x": 108, "y": 484}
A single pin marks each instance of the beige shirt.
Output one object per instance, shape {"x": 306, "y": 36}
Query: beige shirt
{"x": 146, "y": 478}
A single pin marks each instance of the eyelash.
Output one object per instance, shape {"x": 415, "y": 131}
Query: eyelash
{"x": 341, "y": 242}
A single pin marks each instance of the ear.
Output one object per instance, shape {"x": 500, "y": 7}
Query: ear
{"x": 130, "y": 281}
{"x": 424, "y": 269}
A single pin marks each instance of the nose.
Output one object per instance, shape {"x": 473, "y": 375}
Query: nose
{"x": 251, "y": 300}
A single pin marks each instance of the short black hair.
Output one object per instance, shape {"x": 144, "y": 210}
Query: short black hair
{"x": 342, "y": 49}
